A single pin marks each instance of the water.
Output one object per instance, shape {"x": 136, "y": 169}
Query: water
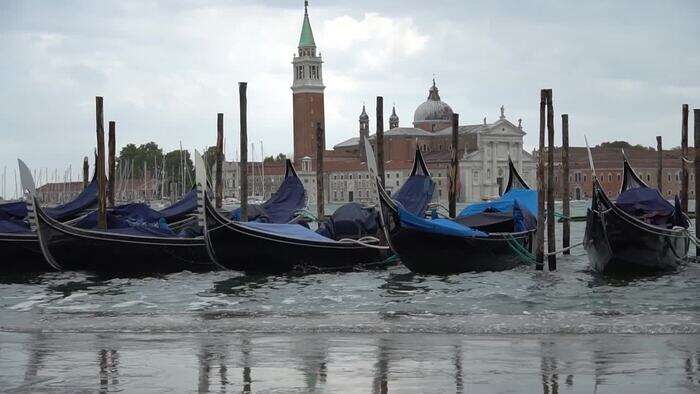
{"x": 512, "y": 331}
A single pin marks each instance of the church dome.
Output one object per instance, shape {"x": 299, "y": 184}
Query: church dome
{"x": 433, "y": 109}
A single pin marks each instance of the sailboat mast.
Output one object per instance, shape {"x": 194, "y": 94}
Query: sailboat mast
{"x": 262, "y": 169}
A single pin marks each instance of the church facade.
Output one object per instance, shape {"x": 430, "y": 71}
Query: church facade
{"x": 483, "y": 149}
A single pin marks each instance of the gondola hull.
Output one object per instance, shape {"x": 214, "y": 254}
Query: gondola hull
{"x": 21, "y": 253}
{"x": 76, "y": 249}
{"x": 242, "y": 248}
{"x": 438, "y": 254}
{"x": 618, "y": 244}
{"x": 430, "y": 253}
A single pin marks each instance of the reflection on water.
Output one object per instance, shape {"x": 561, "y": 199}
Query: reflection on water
{"x": 355, "y": 363}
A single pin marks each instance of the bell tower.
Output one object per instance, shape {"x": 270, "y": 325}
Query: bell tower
{"x": 307, "y": 92}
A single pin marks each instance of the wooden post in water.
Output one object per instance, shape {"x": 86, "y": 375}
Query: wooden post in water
{"x": 659, "y": 165}
{"x": 566, "y": 209}
{"x": 539, "y": 236}
{"x": 684, "y": 154}
{"x": 219, "y": 158}
{"x": 86, "y": 172}
{"x": 454, "y": 167}
{"x": 380, "y": 139}
{"x": 551, "y": 238}
{"x": 243, "y": 170}
{"x": 112, "y": 144}
{"x": 320, "y": 148}
{"x": 100, "y": 166}
{"x": 696, "y": 148}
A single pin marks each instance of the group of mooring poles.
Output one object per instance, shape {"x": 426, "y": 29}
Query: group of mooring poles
{"x": 545, "y": 187}
{"x": 105, "y": 186}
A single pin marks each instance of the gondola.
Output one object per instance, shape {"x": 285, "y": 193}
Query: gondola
{"x": 124, "y": 249}
{"x": 484, "y": 237}
{"x": 639, "y": 233}
{"x": 281, "y": 248}
{"x": 19, "y": 245}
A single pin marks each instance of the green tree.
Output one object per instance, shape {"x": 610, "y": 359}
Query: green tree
{"x": 281, "y": 157}
{"x": 132, "y": 159}
{"x": 173, "y": 169}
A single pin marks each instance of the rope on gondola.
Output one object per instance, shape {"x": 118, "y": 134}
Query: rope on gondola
{"x": 365, "y": 241}
{"x": 305, "y": 214}
{"x": 685, "y": 159}
{"x": 520, "y": 250}
{"x": 562, "y": 250}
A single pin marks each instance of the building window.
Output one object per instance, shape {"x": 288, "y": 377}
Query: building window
{"x": 669, "y": 179}
{"x": 388, "y": 175}
{"x": 397, "y": 183}
{"x": 609, "y": 177}
{"x": 648, "y": 177}
{"x": 618, "y": 177}
{"x": 350, "y": 176}
{"x": 475, "y": 177}
{"x": 584, "y": 178}
{"x": 313, "y": 73}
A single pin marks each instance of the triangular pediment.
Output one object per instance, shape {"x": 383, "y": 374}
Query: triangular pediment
{"x": 503, "y": 127}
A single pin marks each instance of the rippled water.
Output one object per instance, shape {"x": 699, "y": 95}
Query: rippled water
{"x": 503, "y": 326}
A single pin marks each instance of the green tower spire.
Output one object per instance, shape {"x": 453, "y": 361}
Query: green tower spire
{"x": 307, "y": 36}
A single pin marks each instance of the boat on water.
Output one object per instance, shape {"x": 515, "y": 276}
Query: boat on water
{"x": 19, "y": 244}
{"x": 123, "y": 247}
{"x": 486, "y": 236}
{"x": 285, "y": 247}
{"x": 638, "y": 233}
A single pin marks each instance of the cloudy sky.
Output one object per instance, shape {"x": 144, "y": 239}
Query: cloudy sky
{"x": 621, "y": 69}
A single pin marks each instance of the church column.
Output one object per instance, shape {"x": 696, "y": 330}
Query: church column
{"x": 519, "y": 148}
{"x": 494, "y": 173}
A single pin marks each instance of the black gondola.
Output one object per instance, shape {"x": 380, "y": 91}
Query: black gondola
{"x": 137, "y": 249}
{"x": 19, "y": 245}
{"x": 481, "y": 242}
{"x": 640, "y": 233}
{"x": 279, "y": 248}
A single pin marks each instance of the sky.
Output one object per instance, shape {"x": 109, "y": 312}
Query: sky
{"x": 620, "y": 69}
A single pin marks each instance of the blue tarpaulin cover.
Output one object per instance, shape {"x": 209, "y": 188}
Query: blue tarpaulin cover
{"x": 526, "y": 198}
{"x": 640, "y": 200}
{"x": 352, "y": 220}
{"x": 123, "y": 216}
{"x": 177, "y": 211}
{"x": 13, "y": 210}
{"x": 14, "y": 226}
{"x": 436, "y": 226}
{"x": 295, "y": 231}
{"x": 86, "y": 199}
{"x": 416, "y": 193}
{"x": 281, "y": 207}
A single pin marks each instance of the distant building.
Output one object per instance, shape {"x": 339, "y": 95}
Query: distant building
{"x": 608, "y": 165}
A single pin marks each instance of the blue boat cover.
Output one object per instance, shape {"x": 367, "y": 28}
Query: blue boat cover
{"x": 13, "y": 210}
{"x": 526, "y": 199}
{"x": 14, "y": 226}
{"x": 295, "y": 231}
{"x": 416, "y": 193}
{"x": 187, "y": 205}
{"x": 123, "y": 216}
{"x": 281, "y": 207}
{"x": 86, "y": 199}
{"x": 643, "y": 200}
{"x": 351, "y": 220}
{"x": 436, "y": 226}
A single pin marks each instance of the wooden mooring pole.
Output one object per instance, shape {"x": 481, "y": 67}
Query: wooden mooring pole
{"x": 696, "y": 146}
{"x": 100, "y": 166}
{"x": 243, "y": 170}
{"x": 320, "y": 148}
{"x": 219, "y": 159}
{"x": 566, "y": 208}
{"x": 539, "y": 235}
{"x": 380, "y": 139}
{"x": 454, "y": 167}
{"x": 551, "y": 238}
{"x": 684, "y": 154}
{"x": 112, "y": 144}
{"x": 659, "y": 165}
{"x": 86, "y": 172}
